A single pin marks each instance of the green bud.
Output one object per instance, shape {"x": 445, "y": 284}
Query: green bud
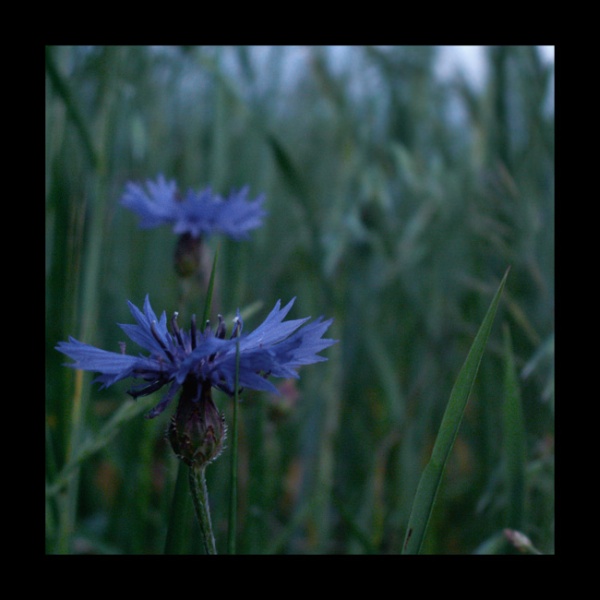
{"x": 197, "y": 431}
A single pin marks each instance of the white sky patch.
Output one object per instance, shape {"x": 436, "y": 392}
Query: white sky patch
{"x": 465, "y": 60}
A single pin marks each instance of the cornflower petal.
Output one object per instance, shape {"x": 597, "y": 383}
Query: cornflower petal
{"x": 304, "y": 346}
{"x": 150, "y": 333}
{"x": 153, "y": 205}
{"x": 198, "y": 214}
{"x": 160, "y": 407}
{"x": 272, "y": 330}
{"x": 112, "y": 365}
{"x": 274, "y": 348}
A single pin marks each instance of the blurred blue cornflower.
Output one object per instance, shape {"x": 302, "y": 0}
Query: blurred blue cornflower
{"x": 200, "y": 359}
{"x": 197, "y": 214}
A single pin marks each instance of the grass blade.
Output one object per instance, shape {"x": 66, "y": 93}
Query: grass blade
{"x": 89, "y": 446}
{"x": 209, "y": 293}
{"x": 514, "y": 439}
{"x": 178, "y": 533}
{"x": 432, "y": 475}
{"x": 63, "y": 90}
{"x": 231, "y": 540}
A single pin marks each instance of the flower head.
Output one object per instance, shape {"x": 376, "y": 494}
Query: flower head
{"x": 196, "y": 360}
{"x": 199, "y": 214}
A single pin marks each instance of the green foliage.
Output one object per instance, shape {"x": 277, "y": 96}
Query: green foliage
{"x": 396, "y": 202}
{"x": 431, "y": 478}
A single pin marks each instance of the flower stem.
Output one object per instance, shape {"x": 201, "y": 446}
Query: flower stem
{"x": 234, "y": 460}
{"x": 200, "y": 499}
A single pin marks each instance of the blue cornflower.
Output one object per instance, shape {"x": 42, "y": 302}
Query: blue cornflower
{"x": 195, "y": 214}
{"x": 194, "y": 361}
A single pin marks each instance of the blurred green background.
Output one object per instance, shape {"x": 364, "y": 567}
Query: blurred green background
{"x": 398, "y": 193}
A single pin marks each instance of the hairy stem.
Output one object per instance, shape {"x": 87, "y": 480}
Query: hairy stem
{"x": 201, "y": 506}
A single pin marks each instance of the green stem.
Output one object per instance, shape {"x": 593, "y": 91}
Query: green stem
{"x": 177, "y": 540}
{"x": 62, "y": 88}
{"x": 200, "y": 499}
{"x": 234, "y": 462}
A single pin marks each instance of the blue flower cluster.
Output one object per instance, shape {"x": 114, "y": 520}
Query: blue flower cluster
{"x": 275, "y": 348}
{"x": 193, "y": 362}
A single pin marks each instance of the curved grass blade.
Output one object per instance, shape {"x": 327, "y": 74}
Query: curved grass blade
{"x": 63, "y": 90}
{"x": 127, "y": 412}
{"x": 432, "y": 475}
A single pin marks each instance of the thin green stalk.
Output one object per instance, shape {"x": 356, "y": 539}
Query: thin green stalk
{"x": 178, "y": 539}
{"x": 88, "y": 302}
{"x": 234, "y": 461}
{"x": 514, "y": 445}
{"x": 62, "y": 88}
{"x": 92, "y": 444}
{"x": 432, "y": 475}
{"x": 200, "y": 499}
{"x": 209, "y": 293}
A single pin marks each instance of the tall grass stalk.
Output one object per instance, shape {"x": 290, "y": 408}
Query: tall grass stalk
{"x": 432, "y": 475}
{"x": 93, "y": 247}
{"x": 233, "y": 498}
{"x": 178, "y": 539}
{"x": 515, "y": 446}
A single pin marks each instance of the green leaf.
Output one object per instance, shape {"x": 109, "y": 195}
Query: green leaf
{"x": 514, "y": 439}
{"x": 431, "y": 477}
{"x": 89, "y": 446}
{"x": 180, "y": 519}
{"x": 63, "y": 90}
